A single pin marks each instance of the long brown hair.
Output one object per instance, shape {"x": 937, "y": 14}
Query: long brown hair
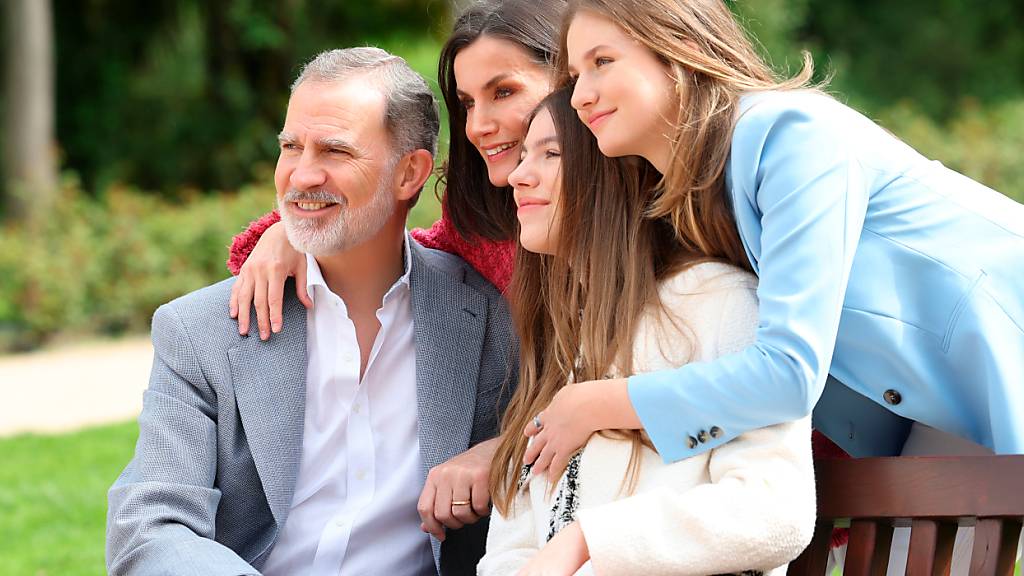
{"x": 576, "y": 313}
{"x": 713, "y": 62}
{"x": 476, "y": 207}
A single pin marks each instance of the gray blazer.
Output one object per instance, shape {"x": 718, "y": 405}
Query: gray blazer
{"x": 220, "y": 434}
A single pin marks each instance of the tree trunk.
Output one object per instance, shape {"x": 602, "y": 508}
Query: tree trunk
{"x": 29, "y": 155}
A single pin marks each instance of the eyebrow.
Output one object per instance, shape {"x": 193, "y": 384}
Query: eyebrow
{"x": 327, "y": 142}
{"x": 490, "y": 83}
{"x": 590, "y": 53}
{"x": 334, "y": 142}
{"x": 543, "y": 141}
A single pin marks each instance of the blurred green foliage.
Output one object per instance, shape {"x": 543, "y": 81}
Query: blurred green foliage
{"x": 167, "y": 113}
{"x": 189, "y": 94}
{"x": 936, "y": 54}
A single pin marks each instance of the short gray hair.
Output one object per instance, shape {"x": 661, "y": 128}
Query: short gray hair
{"x": 410, "y": 111}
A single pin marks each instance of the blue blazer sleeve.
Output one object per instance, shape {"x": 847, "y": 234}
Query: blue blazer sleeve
{"x": 800, "y": 200}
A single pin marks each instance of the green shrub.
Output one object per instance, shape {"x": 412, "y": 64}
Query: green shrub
{"x": 984, "y": 143}
{"x": 104, "y": 265}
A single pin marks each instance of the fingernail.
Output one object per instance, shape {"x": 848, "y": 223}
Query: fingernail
{"x": 276, "y": 328}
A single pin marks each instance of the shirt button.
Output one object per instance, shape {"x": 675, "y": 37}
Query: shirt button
{"x": 691, "y": 442}
{"x": 716, "y": 432}
{"x": 339, "y": 522}
{"x": 702, "y": 436}
{"x": 892, "y": 397}
{"x": 356, "y": 408}
{"x": 361, "y": 475}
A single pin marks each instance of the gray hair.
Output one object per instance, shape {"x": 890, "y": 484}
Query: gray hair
{"x": 411, "y": 115}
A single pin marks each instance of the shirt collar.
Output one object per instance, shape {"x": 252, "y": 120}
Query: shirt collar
{"x": 314, "y": 277}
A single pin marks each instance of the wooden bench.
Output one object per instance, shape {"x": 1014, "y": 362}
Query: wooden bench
{"x": 932, "y": 495}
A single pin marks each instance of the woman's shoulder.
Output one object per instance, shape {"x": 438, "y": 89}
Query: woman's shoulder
{"x": 704, "y": 278}
{"x": 802, "y": 118}
{"x": 767, "y": 107}
{"x": 712, "y": 305}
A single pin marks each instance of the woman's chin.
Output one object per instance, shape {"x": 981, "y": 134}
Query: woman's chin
{"x": 498, "y": 175}
{"x": 612, "y": 148}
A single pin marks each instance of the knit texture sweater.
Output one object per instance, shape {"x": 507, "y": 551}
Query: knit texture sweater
{"x": 748, "y": 505}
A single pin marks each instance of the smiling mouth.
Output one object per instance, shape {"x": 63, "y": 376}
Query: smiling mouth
{"x": 310, "y": 207}
{"x": 598, "y": 118}
{"x": 496, "y": 151}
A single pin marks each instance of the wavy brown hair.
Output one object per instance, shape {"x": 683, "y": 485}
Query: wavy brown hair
{"x": 713, "y": 62}
{"x": 577, "y": 312}
{"x": 476, "y": 207}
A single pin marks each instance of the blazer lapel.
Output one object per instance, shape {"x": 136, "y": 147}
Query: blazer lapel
{"x": 270, "y": 389}
{"x": 450, "y": 319}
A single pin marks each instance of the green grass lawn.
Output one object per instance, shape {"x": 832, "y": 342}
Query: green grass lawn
{"x": 53, "y": 499}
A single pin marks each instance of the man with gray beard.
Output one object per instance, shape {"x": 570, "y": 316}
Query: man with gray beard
{"x": 306, "y": 453}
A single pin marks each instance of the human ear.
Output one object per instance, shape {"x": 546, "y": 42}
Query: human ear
{"x": 413, "y": 171}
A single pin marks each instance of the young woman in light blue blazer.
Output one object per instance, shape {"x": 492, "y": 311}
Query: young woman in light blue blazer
{"x": 891, "y": 289}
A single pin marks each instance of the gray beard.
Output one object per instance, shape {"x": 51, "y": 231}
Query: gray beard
{"x": 352, "y": 227}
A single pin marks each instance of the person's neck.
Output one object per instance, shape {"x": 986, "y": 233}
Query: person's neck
{"x": 362, "y": 275}
{"x": 659, "y": 154}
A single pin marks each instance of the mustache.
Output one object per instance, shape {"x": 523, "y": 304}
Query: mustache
{"x": 318, "y": 195}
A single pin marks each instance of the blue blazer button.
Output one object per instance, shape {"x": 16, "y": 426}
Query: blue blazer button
{"x": 892, "y": 397}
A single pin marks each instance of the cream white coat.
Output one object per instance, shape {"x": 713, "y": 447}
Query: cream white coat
{"x": 748, "y": 504}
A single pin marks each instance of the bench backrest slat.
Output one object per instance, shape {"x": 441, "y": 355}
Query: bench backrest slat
{"x": 929, "y": 494}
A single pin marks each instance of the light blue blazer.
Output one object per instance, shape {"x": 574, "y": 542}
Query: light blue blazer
{"x": 901, "y": 278}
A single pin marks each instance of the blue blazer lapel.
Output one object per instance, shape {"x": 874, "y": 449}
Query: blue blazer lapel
{"x": 270, "y": 389}
{"x": 450, "y": 319}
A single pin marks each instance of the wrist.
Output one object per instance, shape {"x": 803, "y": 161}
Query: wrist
{"x": 487, "y": 448}
{"x": 582, "y": 550}
{"x": 613, "y": 408}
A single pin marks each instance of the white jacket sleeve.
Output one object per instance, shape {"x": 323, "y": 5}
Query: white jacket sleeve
{"x": 757, "y": 513}
{"x": 511, "y": 541}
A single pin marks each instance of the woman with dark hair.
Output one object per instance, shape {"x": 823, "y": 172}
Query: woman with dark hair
{"x": 493, "y": 70}
{"x": 601, "y": 290}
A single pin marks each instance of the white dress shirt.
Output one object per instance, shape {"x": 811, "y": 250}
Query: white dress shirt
{"x": 354, "y": 507}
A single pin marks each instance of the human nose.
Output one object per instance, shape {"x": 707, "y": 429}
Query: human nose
{"x": 308, "y": 173}
{"x": 584, "y": 95}
{"x": 479, "y": 123}
{"x": 523, "y": 177}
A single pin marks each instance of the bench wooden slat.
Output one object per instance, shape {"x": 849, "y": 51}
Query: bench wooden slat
{"x": 868, "y": 551}
{"x": 931, "y": 494}
{"x": 995, "y": 547}
{"x": 931, "y": 548}
{"x": 920, "y": 487}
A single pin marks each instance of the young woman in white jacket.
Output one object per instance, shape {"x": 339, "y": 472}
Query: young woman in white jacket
{"x": 601, "y": 291}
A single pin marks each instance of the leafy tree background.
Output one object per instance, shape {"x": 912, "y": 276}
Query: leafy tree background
{"x": 166, "y": 113}
{"x": 165, "y": 95}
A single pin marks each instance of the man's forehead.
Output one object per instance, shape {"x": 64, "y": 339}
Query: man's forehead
{"x": 349, "y": 105}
